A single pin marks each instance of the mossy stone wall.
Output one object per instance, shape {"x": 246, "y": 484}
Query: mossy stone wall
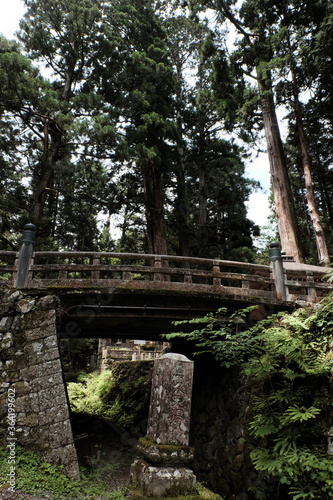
{"x": 31, "y": 373}
{"x": 219, "y": 421}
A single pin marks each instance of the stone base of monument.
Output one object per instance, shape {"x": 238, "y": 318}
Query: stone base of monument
{"x": 160, "y": 481}
{"x": 153, "y": 483}
{"x": 167, "y": 455}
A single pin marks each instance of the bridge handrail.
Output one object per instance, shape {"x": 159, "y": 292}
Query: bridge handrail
{"x": 144, "y": 256}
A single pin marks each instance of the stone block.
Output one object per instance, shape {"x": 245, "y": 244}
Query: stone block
{"x": 60, "y": 434}
{"x": 5, "y": 323}
{"x": 51, "y": 397}
{"x": 7, "y": 341}
{"x": 24, "y": 306}
{"x": 14, "y": 296}
{"x": 46, "y": 368}
{"x": 66, "y": 456}
{"x": 18, "y": 325}
{"x": 22, "y": 388}
{"x": 52, "y": 380}
{"x": 53, "y": 415}
{"x": 42, "y": 320}
{"x": 47, "y": 302}
{"x": 162, "y": 481}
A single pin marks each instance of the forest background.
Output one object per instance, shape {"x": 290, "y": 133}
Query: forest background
{"x": 147, "y": 115}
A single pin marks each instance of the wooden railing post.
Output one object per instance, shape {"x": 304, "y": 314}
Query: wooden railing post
{"x": 278, "y": 271}
{"x": 216, "y": 272}
{"x": 158, "y": 265}
{"x": 311, "y": 289}
{"x": 96, "y": 262}
{"x": 25, "y": 254}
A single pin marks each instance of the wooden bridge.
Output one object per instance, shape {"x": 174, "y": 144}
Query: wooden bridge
{"x": 196, "y": 285}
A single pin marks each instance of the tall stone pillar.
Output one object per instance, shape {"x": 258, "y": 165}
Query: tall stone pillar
{"x": 165, "y": 472}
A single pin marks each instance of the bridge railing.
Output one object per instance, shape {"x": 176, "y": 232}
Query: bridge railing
{"x": 307, "y": 285}
{"x": 106, "y": 269}
{"x": 95, "y": 270}
{"x": 90, "y": 269}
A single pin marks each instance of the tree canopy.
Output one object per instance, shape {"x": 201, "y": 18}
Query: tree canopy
{"x": 128, "y": 125}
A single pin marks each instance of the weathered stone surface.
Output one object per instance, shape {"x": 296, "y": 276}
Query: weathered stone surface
{"x": 30, "y": 365}
{"x": 162, "y": 481}
{"x": 170, "y": 404}
{"x": 47, "y": 302}
{"x": 24, "y": 306}
{"x": 166, "y": 444}
{"x": 166, "y": 455}
{"x": 5, "y": 323}
{"x": 220, "y": 417}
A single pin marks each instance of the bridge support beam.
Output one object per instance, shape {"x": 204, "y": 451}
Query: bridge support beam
{"x": 278, "y": 271}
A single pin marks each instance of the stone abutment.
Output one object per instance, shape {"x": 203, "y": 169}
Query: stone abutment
{"x": 33, "y": 401}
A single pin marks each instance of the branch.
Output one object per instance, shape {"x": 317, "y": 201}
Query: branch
{"x": 234, "y": 20}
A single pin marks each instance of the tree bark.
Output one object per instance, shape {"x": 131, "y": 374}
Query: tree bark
{"x": 154, "y": 209}
{"x": 323, "y": 255}
{"x": 283, "y": 199}
{"x": 52, "y": 143}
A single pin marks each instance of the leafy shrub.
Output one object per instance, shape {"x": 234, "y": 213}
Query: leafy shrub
{"x": 289, "y": 359}
{"x": 121, "y": 395}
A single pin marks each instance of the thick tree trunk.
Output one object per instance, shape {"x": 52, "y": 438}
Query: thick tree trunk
{"x": 283, "y": 199}
{"x": 154, "y": 209}
{"x": 323, "y": 255}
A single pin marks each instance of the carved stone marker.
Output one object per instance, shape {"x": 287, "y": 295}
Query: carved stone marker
{"x": 170, "y": 403}
{"x": 165, "y": 448}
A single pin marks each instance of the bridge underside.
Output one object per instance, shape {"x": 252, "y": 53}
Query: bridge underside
{"x": 142, "y": 314}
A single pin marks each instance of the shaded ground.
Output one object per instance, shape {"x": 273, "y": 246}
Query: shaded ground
{"x": 104, "y": 453}
{"x": 107, "y": 450}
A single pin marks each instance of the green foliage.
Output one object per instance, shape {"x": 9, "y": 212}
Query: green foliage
{"x": 289, "y": 360}
{"x": 120, "y": 395}
{"x": 40, "y": 478}
{"x": 86, "y": 395}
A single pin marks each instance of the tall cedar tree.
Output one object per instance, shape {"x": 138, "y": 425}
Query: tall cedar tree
{"x": 146, "y": 102}
{"x": 66, "y": 135}
{"x": 255, "y": 54}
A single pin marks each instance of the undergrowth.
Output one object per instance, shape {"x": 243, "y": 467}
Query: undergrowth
{"x": 39, "y": 478}
{"x": 120, "y": 395}
{"x": 288, "y": 358}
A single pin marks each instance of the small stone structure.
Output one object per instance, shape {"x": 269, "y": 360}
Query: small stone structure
{"x": 114, "y": 350}
{"x": 166, "y": 448}
{"x": 33, "y": 401}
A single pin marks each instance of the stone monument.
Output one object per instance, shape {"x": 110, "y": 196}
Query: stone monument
{"x": 165, "y": 472}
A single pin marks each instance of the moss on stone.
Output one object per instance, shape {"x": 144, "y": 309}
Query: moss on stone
{"x": 146, "y": 442}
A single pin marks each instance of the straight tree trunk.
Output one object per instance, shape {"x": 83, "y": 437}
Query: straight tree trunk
{"x": 283, "y": 199}
{"x": 323, "y": 255}
{"x": 154, "y": 209}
